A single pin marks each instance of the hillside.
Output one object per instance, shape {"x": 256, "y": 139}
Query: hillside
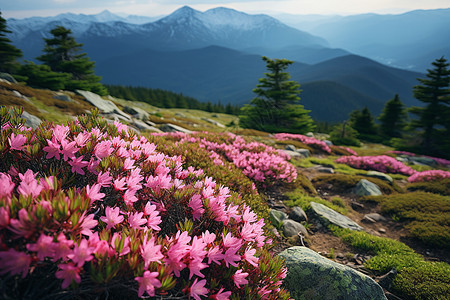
{"x": 403, "y": 225}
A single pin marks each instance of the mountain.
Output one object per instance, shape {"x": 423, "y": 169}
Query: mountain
{"x": 184, "y": 29}
{"x": 410, "y": 40}
{"x": 331, "y": 89}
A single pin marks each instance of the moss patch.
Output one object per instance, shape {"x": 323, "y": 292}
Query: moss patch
{"x": 441, "y": 186}
{"x": 299, "y": 198}
{"x": 427, "y": 215}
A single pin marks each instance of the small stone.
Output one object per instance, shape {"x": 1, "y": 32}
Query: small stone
{"x": 298, "y": 214}
{"x": 367, "y": 219}
{"x": 382, "y": 230}
{"x": 377, "y": 217}
{"x": 340, "y": 255}
{"x": 303, "y": 152}
{"x": 292, "y": 153}
{"x": 62, "y": 97}
{"x": 290, "y": 148}
{"x": 292, "y": 228}
{"x": 357, "y": 206}
{"x": 325, "y": 170}
{"x": 277, "y": 217}
{"x": 367, "y": 188}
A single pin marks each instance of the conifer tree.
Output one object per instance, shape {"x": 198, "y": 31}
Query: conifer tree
{"x": 61, "y": 54}
{"x": 393, "y": 118}
{"x": 276, "y": 107}
{"x": 434, "y": 92}
{"x": 8, "y": 52}
{"x": 363, "y": 122}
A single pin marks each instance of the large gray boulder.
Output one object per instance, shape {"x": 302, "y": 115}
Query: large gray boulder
{"x": 214, "y": 122}
{"x": 7, "y": 77}
{"x": 292, "y": 153}
{"x": 327, "y": 216}
{"x": 104, "y": 106}
{"x": 311, "y": 276}
{"x": 137, "y": 113}
{"x": 367, "y": 188}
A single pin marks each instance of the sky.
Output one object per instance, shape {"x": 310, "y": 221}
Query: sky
{"x": 28, "y": 8}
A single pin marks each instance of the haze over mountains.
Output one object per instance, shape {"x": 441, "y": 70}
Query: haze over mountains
{"x": 216, "y": 56}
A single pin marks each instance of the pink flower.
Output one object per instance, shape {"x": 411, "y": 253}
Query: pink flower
{"x": 147, "y": 283}
{"x": 68, "y": 149}
{"x": 195, "y": 266}
{"x": 129, "y": 197}
{"x": 239, "y": 278}
{"x": 198, "y": 289}
{"x": 44, "y": 247}
{"x": 93, "y": 193}
{"x": 88, "y": 224}
{"x": 78, "y": 164}
{"x": 119, "y": 184}
{"x": 81, "y": 253}
{"x": 136, "y": 220}
{"x": 128, "y": 164}
{"x": 104, "y": 179}
{"x": 215, "y": 254}
{"x": 153, "y": 216}
{"x": 103, "y": 149}
{"x": 197, "y": 207}
{"x": 17, "y": 142}
{"x": 112, "y": 217}
{"x": 60, "y": 132}
{"x": 6, "y": 186}
{"x": 53, "y": 150}
{"x": 22, "y": 226}
{"x": 69, "y": 273}
{"x": 29, "y": 185}
{"x": 4, "y": 217}
{"x": 221, "y": 295}
{"x": 250, "y": 258}
{"x": 230, "y": 257}
{"x": 14, "y": 262}
{"x": 62, "y": 248}
{"x": 150, "y": 252}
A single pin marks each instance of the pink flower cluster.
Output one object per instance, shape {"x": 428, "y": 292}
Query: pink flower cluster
{"x": 258, "y": 161}
{"x": 349, "y": 150}
{"x": 321, "y": 145}
{"x": 440, "y": 161}
{"x": 381, "y": 163}
{"x": 103, "y": 207}
{"x": 430, "y": 175}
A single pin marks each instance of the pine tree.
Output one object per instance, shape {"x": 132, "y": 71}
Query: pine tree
{"x": 434, "y": 91}
{"x": 393, "y": 118}
{"x": 276, "y": 107}
{"x": 8, "y": 52}
{"x": 362, "y": 121}
{"x": 62, "y": 55}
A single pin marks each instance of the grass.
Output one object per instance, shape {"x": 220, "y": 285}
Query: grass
{"x": 299, "y": 198}
{"x": 426, "y": 215}
{"x": 441, "y": 186}
{"x": 416, "y": 278}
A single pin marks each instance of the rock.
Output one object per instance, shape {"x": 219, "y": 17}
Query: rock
{"x": 292, "y": 228}
{"x": 8, "y": 77}
{"x": 420, "y": 160}
{"x": 292, "y": 153}
{"x": 377, "y": 217}
{"x": 104, "y": 106}
{"x": 327, "y": 215}
{"x": 367, "y": 219}
{"x": 150, "y": 123}
{"x": 328, "y": 143}
{"x": 141, "y": 125}
{"x": 174, "y": 128}
{"x": 298, "y": 214}
{"x": 325, "y": 170}
{"x": 137, "y": 113}
{"x": 304, "y": 152}
{"x": 367, "y": 188}
{"x": 214, "y": 122}
{"x": 31, "y": 120}
{"x": 379, "y": 175}
{"x": 357, "y": 206}
{"x": 277, "y": 217}
{"x": 290, "y": 147}
{"x": 181, "y": 115}
{"x": 62, "y": 97}
{"x": 311, "y": 276}
{"x": 309, "y": 134}
{"x": 402, "y": 159}
{"x": 382, "y": 230}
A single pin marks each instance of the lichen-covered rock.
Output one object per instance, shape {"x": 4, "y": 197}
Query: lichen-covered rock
{"x": 277, "y": 217}
{"x": 136, "y": 112}
{"x": 292, "y": 228}
{"x": 367, "y": 188}
{"x": 327, "y": 216}
{"x": 104, "y": 106}
{"x": 311, "y": 276}
{"x": 31, "y": 120}
{"x": 379, "y": 175}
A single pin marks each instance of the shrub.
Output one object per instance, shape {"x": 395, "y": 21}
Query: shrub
{"x": 85, "y": 202}
{"x": 431, "y": 175}
{"x": 381, "y": 163}
{"x": 341, "y": 150}
{"x": 427, "y": 215}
